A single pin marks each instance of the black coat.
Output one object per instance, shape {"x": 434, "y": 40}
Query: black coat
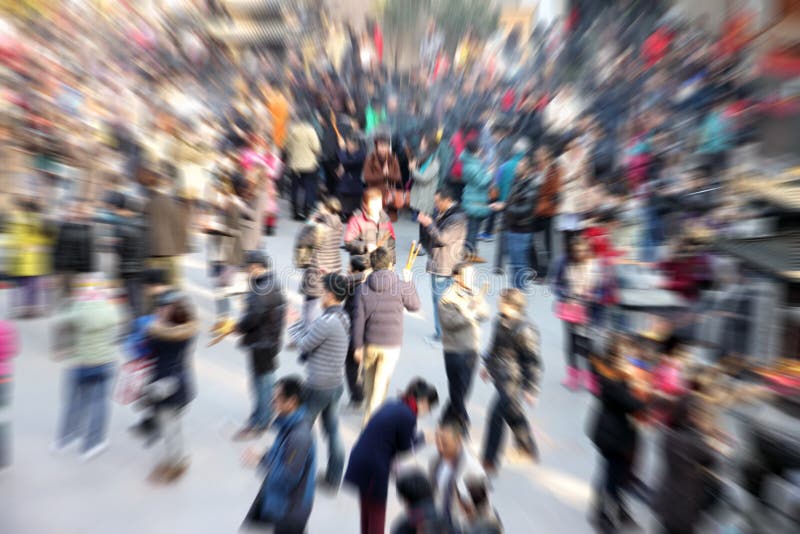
{"x": 390, "y": 431}
{"x": 74, "y": 249}
{"x": 263, "y": 322}
{"x": 514, "y": 355}
{"x": 131, "y": 247}
{"x": 521, "y": 205}
{"x": 350, "y": 182}
{"x": 685, "y": 482}
{"x": 612, "y": 431}
{"x": 171, "y": 346}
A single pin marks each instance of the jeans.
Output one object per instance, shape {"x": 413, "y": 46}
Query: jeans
{"x": 133, "y": 290}
{"x": 489, "y": 228}
{"x": 507, "y": 409}
{"x": 577, "y": 346}
{"x": 379, "y": 364}
{"x": 87, "y": 405}
{"x": 262, "y": 400}
{"x": 473, "y": 226}
{"x": 326, "y": 402}
{"x": 460, "y": 370}
{"x": 307, "y": 181}
{"x": 439, "y": 285}
{"x": 518, "y": 246}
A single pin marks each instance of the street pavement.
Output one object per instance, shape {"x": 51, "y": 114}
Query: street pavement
{"x": 42, "y": 493}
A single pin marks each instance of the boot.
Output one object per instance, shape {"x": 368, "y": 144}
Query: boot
{"x": 572, "y": 381}
{"x": 589, "y": 381}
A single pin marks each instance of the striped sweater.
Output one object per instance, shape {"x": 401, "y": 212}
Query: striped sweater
{"x": 325, "y": 343}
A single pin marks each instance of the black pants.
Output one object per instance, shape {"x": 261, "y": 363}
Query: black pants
{"x": 507, "y": 409}
{"x": 353, "y": 372}
{"x": 460, "y": 370}
{"x": 577, "y": 347}
{"x": 546, "y": 256}
{"x": 616, "y": 468}
{"x": 307, "y": 182}
{"x": 331, "y": 180}
{"x": 133, "y": 290}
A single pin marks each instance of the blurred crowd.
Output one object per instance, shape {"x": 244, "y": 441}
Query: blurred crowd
{"x": 598, "y": 153}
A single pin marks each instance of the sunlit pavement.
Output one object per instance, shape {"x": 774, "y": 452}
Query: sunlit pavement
{"x": 42, "y": 493}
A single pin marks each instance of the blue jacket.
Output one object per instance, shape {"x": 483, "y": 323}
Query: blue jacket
{"x": 291, "y": 466}
{"x": 505, "y": 176}
{"x": 390, "y": 431}
{"x": 477, "y": 179}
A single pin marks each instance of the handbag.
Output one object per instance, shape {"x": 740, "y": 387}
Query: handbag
{"x": 396, "y": 198}
{"x": 131, "y": 380}
{"x": 571, "y": 312}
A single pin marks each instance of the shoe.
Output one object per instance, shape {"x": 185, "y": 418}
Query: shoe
{"x": 489, "y": 468}
{"x": 94, "y": 451}
{"x": 520, "y": 455}
{"x": 245, "y": 434}
{"x": 572, "y": 382}
{"x": 60, "y": 449}
{"x": 327, "y": 487}
{"x": 176, "y": 471}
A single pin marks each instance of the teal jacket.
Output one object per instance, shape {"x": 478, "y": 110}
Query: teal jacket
{"x": 505, "y": 176}
{"x": 715, "y": 134}
{"x": 477, "y": 180}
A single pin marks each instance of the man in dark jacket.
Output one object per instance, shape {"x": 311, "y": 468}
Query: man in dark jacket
{"x": 130, "y": 248}
{"x": 261, "y": 327}
{"x": 513, "y": 364}
{"x": 359, "y": 270}
{"x": 378, "y": 325}
{"x": 73, "y": 252}
{"x": 520, "y": 222}
{"x": 421, "y": 516}
{"x": 350, "y": 187}
{"x": 443, "y": 237}
{"x": 283, "y": 504}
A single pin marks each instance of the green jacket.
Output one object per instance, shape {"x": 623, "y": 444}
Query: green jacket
{"x": 374, "y": 118}
{"x": 477, "y": 180}
{"x": 88, "y": 331}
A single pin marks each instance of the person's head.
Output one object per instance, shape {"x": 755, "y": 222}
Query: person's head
{"x": 578, "y": 248}
{"x": 334, "y": 289}
{"x": 464, "y": 274}
{"x": 424, "y": 395}
{"x": 444, "y": 198}
{"x": 382, "y": 146}
{"x": 473, "y": 146}
{"x": 414, "y": 488}
{"x": 512, "y": 302}
{"x": 373, "y": 202}
{"x": 473, "y": 496}
{"x": 380, "y": 259}
{"x": 449, "y": 438}
{"x": 358, "y": 264}
{"x": 287, "y": 395}
{"x": 257, "y": 262}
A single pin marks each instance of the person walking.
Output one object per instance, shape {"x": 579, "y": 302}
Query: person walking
{"x": 382, "y": 171}
{"x": 513, "y": 364}
{"x": 261, "y": 327}
{"x": 326, "y": 256}
{"x": 378, "y": 325}
{"x": 576, "y": 278}
{"x": 323, "y": 348}
{"x": 475, "y": 200}
{"x": 392, "y": 430}
{"x": 520, "y": 223}
{"x": 359, "y": 271}
{"x": 370, "y": 228}
{"x": 351, "y": 186}
{"x": 87, "y": 330}
{"x": 461, "y": 310}
{"x": 546, "y": 207}
{"x": 303, "y": 150}
{"x": 443, "y": 236}
{"x": 130, "y": 248}
{"x": 170, "y": 389}
{"x": 450, "y": 470}
{"x": 284, "y": 501}
{"x": 425, "y": 173}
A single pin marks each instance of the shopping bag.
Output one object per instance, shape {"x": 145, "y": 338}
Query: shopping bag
{"x": 571, "y": 312}
{"x": 131, "y": 380}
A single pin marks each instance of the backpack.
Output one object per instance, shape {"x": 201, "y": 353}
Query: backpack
{"x": 306, "y": 241}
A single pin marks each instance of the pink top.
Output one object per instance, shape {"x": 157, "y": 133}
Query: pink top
{"x": 8, "y": 346}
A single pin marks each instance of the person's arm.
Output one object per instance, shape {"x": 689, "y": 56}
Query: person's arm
{"x": 308, "y": 339}
{"x": 454, "y": 232}
{"x": 169, "y": 332}
{"x": 359, "y": 320}
{"x": 619, "y": 394}
{"x": 353, "y": 241}
{"x": 287, "y": 470}
{"x": 480, "y": 311}
{"x": 529, "y": 351}
{"x": 427, "y": 176}
{"x": 410, "y": 296}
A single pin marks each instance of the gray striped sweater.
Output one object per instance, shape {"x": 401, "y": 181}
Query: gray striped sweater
{"x": 325, "y": 342}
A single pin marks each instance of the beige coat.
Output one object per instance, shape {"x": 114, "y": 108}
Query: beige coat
{"x": 302, "y": 147}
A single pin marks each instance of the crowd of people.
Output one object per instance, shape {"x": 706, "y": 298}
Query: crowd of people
{"x": 601, "y": 143}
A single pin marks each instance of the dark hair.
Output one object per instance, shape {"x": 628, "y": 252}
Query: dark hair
{"x": 335, "y": 284}
{"x": 452, "y": 423}
{"x": 413, "y": 487}
{"x": 291, "y": 387}
{"x": 447, "y": 192}
{"x": 181, "y": 312}
{"x": 473, "y": 145}
{"x": 419, "y": 389}
{"x": 478, "y": 492}
{"x": 358, "y": 264}
{"x": 154, "y": 277}
{"x": 380, "y": 259}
